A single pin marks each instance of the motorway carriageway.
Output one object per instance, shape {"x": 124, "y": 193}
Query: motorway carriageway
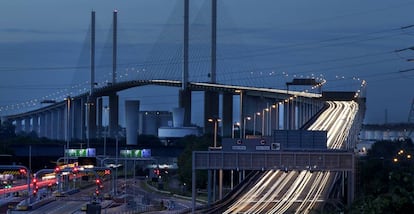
{"x": 294, "y": 191}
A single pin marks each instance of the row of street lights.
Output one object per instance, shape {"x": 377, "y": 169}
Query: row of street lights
{"x": 242, "y": 130}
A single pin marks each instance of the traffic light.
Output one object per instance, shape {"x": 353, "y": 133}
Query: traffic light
{"x": 98, "y": 186}
{"x": 22, "y": 171}
{"x": 75, "y": 170}
{"x": 107, "y": 172}
{"x": 35, "y": 187}
{"x": 57, "y": 169}
{"x": 99, "y": 183}
{"x": 97, "y": 191}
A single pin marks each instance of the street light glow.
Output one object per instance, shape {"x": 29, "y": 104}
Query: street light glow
{"x": 216, "y": 121}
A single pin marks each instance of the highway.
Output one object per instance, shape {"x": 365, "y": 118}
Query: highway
{"x": 276, "y": 191}
{"x": 74, "y": 202}
{"x": 294, "y": 191}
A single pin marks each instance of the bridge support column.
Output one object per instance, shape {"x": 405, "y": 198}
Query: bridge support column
{"x": 185, "y": 103}
{"x": 247, "y": 112}
{"x": 285, "y": 115}
{"x": 49, "y": 124}
{"x": 62, "y": 123}
{"x": 113, "y": 114}
{"x": 211, "y": 110}
{"x": 18, "y": 125}
{"x": 99, "y": 116}
{"x": 277, "y": 116}
{"x": 294, "y": 115}
{"x": 301, "y": 110}
{"x": 55, "y": 124}
{"x": 227, "y": 122}
{"x": 132, "y": 121}
{"x": 27, "y": 124}
{"x": 305, "y": 118}
{"x": 310, "y": 110}
{"x": 91, "y": 119}
{"x": 79, "y": 119}
{"x": 35, "y": 124}
{"x": 76, "y": 120}
{"x": 42, "y": 123}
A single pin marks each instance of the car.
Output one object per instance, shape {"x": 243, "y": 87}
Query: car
{"x": 22, "y": 207}
{"x": 107, "y": 196}
{"x": 84, "y": 207}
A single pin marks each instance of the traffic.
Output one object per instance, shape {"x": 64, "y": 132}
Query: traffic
{"x": 282, "y": 191}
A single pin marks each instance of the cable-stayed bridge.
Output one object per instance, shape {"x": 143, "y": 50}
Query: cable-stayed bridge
{"x": 78, "y": 115}
{"x": 169, "y": 64}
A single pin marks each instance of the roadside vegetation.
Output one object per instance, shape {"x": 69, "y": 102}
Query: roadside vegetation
{"x": 386, "y": 179}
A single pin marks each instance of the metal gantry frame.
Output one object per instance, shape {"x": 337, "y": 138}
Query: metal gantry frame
{"x": 28, "y": 173}
{"x": 342, "y": 161}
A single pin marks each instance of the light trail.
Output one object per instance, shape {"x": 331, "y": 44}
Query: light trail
{"x": 273, "y": 194}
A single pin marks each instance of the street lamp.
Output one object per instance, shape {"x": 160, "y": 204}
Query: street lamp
{"x": 234, "y": 129}
{"x": 263, "y": 120}
{"x": 244, "y": 126}
{"x": 106, "y": 109}
{"x": 68, "y": 100}
{"x": 215, "y": 121}
{"x": 274, "y": 106}
{"x": 254, "y": 122}
{"x": 241, "y": 109}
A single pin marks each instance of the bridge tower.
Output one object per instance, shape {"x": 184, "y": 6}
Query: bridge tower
{"x": 91, "y": 101}
{"x": 211, "y": 98}
{"x": 113, "y": 97}
{"x": 185, "y": 93}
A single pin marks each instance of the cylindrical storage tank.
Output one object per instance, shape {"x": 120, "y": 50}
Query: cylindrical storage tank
{"x": 386, "y": 135}
{"x": 178, "y": 117}
{"x": 370, "y": 134}
{"x": 131, "y": 121}
{"x": 378, "y": 135}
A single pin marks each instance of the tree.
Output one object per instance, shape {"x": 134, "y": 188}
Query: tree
{"x": 149, "y": 141}
{"x": 192, "y": 143}
{"x": 7, "y": 130}
{"x": 386, "y": 175}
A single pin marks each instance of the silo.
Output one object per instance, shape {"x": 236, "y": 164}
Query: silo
{"x": 178, "y": 117}
{"x": 131, "y": 121}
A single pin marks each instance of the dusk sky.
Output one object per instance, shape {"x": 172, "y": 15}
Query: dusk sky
{"x": 44, "y": 48}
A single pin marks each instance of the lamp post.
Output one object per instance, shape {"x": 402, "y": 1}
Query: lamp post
{"x": 68, "y": 100}
{"x": 263, "y": 120}
{"x": 254, "y": 122}
{"x": 241, "y": 110}
{"x": 215, "y": 121}
{"x": 274, "y": 106}
{"x": 244, "y": 126}
{"x": 233, "y": 134}
{"x": 106, "y": 109}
